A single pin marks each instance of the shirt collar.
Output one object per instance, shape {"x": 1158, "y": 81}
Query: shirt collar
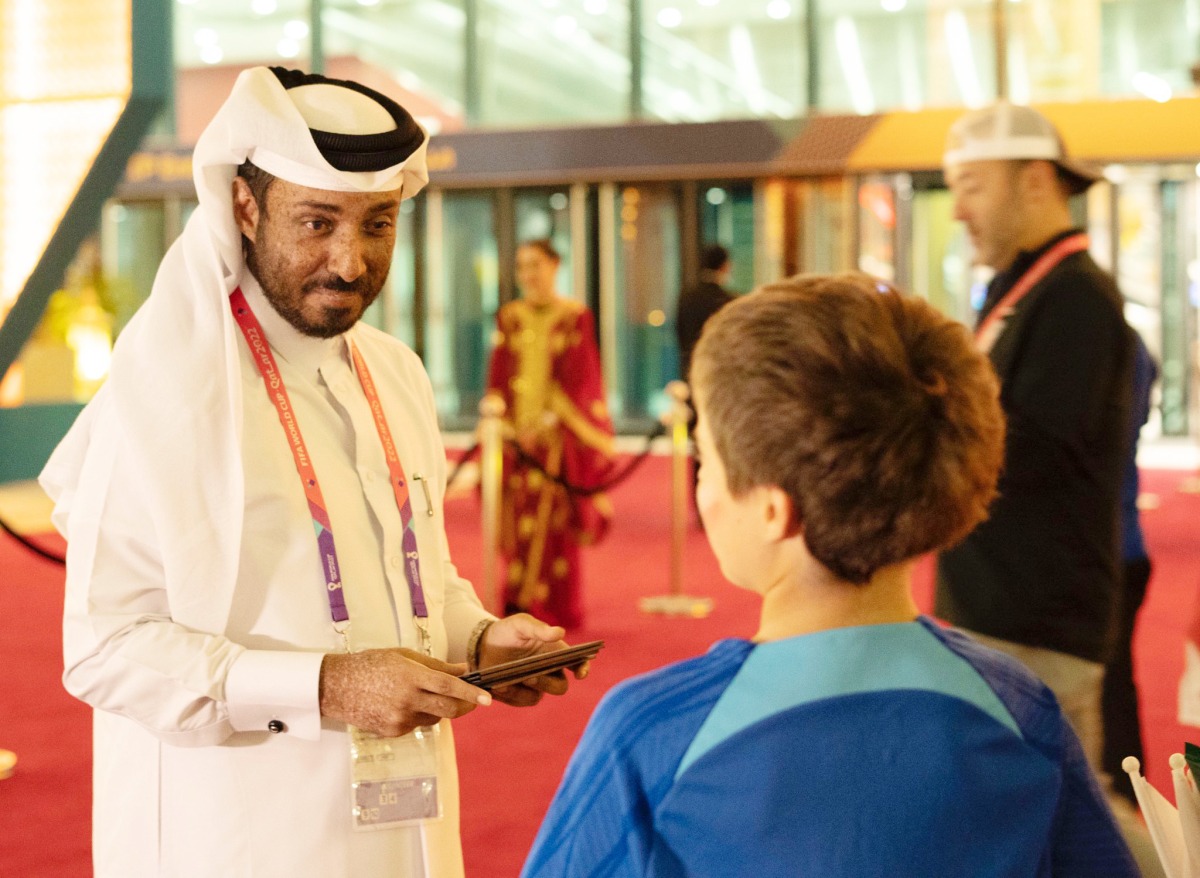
{"x": 1026, "y": 258}
{"x": 1007, "y": 279}
{"x": 305, "y": 352}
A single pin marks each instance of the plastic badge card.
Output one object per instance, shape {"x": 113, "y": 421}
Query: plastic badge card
{"x": 395, "y": 780}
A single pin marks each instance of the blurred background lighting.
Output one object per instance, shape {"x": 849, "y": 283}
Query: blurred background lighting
{"x": 669, "y": 17}
{"x": 779, "y": 9}
{"x": 1154, "y": 87}
{"x": 295, "y": 29}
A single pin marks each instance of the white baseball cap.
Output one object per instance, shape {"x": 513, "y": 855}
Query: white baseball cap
{"x": 1008, "y": 131}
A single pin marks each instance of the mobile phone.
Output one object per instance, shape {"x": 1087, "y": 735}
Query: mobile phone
{"x": 507, "y": 673}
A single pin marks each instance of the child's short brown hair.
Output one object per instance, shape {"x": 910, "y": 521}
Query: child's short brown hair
{"x": 873, "y": 411}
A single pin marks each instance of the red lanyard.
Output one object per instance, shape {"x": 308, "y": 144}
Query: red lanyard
{"x": 989, "y": 330}
{"x": 267, "y": 367}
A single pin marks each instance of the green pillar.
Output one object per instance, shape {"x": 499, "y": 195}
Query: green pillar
{"x": 637, "y": 107}
{"x": 812, "y": 51}
{"x": 472, "y": 85}
{"x": 316, "y": 37}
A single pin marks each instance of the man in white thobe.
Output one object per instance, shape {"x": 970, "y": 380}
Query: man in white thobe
{"x": 202, "y": 615}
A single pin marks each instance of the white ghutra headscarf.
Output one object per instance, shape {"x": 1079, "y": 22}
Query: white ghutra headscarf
{"x": 173, "y": 396}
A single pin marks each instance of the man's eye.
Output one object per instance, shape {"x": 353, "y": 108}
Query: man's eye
{"x": 317, "y": 225}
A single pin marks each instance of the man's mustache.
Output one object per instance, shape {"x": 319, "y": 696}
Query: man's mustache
{"x": 338, "y": 285}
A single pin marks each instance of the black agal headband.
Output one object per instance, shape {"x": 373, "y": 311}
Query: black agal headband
{"x": 360, "y": 152}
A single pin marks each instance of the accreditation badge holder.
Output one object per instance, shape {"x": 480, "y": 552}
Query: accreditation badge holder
{"x": 395, "y": 780}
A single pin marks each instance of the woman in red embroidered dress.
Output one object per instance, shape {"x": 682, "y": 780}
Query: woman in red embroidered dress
{"x": 546, "y": 367}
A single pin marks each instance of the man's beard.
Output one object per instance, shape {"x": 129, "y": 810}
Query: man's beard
{"x": 334, "y": 321}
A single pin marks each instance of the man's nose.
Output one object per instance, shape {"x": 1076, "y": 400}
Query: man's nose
{"x": 347, "y": 257}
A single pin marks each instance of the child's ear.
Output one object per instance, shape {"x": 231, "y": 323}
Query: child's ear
{"x": 779, "y": 514}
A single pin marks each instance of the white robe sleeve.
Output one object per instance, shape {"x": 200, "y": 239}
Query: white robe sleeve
{"x": 124, "y": 653}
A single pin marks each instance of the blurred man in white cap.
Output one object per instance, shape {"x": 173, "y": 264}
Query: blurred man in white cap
{"x": 1040, "y": 578}
{"x": 270, "y": 701}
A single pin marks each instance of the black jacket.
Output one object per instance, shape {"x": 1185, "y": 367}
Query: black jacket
{"x": 1043, "y": 570}
{"x": 696, "y": 305}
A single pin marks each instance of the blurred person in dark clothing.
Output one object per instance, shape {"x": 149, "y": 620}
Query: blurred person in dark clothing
{"x": 1122, "y": 723}
{"x": 702, "y": 301}
{"x": 1040, "y": 579}
{"x": 1041, "y": 576}
{"x": 696, "y": 305}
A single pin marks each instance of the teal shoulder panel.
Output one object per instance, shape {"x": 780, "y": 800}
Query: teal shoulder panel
{"x": 785, "y": 674}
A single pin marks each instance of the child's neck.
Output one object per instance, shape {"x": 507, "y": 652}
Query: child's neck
{"x": 814, "y": 600}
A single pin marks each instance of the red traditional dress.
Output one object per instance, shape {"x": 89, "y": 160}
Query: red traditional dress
{"x": 546, "y": 368}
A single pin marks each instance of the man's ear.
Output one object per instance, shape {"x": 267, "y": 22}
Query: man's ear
{"x": 1041, "y": 178}
{"x": 245, "y": 209}
{"x": 780, "y": 519}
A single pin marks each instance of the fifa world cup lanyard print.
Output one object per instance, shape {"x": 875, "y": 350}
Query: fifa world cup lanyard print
{"x": 394, "y": 779}
{"x": 989, "y": 330}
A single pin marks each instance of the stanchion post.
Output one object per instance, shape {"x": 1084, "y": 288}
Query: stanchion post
{"x": 491, "y": 465}
{"x": 676, "y": 603}
{"x": 678, "y": 391}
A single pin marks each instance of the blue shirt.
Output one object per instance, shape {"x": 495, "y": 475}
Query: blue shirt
{"x": 884, "y": 750}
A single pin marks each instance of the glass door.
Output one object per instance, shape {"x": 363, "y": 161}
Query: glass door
{"x": 824, "y": 227}
{"x": 727, "y": 213}
{"x": 877, "y": 232}
{"x": 1180, "y": 355}
{"x": 463, "y": 292}
{"x": 640, "y": 224}
{"x": 940, "y": 256}
{"x": 547, "y": 214}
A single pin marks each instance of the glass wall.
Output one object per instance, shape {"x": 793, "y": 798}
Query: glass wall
{"x": 647, "y": 290}
{"x": 940, "y": 255}
{"x": 1174, "y": 308}
{"x": 1069, "y": 50}
{"x": 825, "y": 225}
{"x": 1147, "y": 47}
{"x": 373, "y": 41}
{"x": 1139, "y": 250}
{"x": 727, "y": 218}
{"x": 511, "y": 64}
{"x": 877, "y": 255}
{"x": 906, "y": 54}
{"x": 463, "y": 296}
{"x": 546, "y": 213}
{"x": 557, "y": 61}
{"x": 395, "y": 311}
{"x": 135, "y": 237}
{"x": 719, "y": 59}
{"x": 421, "y": 46}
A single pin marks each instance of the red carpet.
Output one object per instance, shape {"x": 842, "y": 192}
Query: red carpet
{"x": 510, "y": 760}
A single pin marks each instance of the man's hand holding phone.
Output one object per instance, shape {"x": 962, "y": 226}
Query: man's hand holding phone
{"x": 520, "y": 661}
